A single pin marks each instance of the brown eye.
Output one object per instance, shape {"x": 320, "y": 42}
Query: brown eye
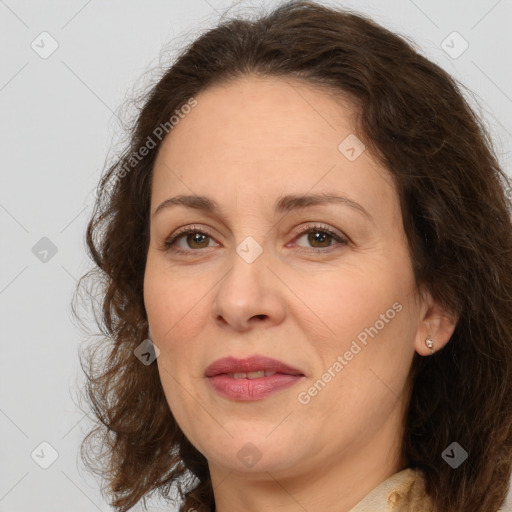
{"x": 320, "y": 237}
{"x": 194, "y": 239}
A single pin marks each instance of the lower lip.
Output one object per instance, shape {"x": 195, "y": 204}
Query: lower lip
{"x": 252, "y": 389}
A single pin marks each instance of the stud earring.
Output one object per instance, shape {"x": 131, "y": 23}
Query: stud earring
{"x": 430, "y": 343}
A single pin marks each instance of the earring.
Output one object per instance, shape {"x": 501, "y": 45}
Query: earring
{"x": 430, "y": 343}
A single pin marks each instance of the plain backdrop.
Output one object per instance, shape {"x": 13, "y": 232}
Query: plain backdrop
{"x": 59, "y": 122}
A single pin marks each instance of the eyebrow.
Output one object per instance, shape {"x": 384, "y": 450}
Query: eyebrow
{"x": 282, "y": 204}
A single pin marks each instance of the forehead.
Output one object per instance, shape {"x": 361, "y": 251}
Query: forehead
{"x": 265, "y": 116}
{"x": 262, "y": 137}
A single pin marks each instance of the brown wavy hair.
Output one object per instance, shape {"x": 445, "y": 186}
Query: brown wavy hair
{"x": 413, "y": 117}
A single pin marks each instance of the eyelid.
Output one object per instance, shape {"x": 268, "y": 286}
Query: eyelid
{"x": 184, "y": 230}
{"x": 311, "y": 226}
{"x": 302, "y": 230}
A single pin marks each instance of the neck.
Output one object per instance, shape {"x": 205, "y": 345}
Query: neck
{"x": 332, "y": 482}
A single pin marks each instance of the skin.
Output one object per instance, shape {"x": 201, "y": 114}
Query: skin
{"x": 244, "y": 144}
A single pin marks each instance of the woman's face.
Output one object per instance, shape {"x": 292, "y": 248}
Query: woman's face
{"x": 262, "y": 276}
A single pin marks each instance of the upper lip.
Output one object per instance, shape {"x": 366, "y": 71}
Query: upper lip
{"x": 250, "y": 364}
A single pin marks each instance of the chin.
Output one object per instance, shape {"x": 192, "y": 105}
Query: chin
{"x": 252, "y": 453}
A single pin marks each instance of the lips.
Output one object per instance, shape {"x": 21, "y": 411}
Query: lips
{"x": 253, "y": 378}
{"x": 250, "y": 365}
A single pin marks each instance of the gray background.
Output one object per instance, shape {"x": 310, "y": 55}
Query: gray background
{"x": 59, "y": 122}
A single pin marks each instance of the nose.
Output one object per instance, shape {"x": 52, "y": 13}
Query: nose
{"x": 248, "y": 295}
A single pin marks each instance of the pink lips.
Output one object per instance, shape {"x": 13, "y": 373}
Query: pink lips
{"x": 220, "y": 376}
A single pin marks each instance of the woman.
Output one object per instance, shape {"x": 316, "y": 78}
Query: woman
{"x": 306, "y": 250}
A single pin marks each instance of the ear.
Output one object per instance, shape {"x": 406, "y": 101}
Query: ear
{"x": 436, "y": 322}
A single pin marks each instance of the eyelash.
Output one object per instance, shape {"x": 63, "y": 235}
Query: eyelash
{"x": 171, "y": 241}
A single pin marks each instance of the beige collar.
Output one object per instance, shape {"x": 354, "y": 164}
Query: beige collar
{"x": 401, "y": 492}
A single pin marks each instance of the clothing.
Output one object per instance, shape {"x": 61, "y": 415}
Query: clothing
{"x": 402, "y": 492}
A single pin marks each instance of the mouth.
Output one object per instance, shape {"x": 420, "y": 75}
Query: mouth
{"x": 249, "y": 379}
{"x": 250, "y": 375}
{"x": 253, "y": 367}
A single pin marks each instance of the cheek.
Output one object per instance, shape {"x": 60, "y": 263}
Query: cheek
{"x": 368, "y": 354}
{"x": 173, "y": 310}
{"x": 368, "y": 315}
{"x": 352, "y": 300}
{"x": 172, "y": 305}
